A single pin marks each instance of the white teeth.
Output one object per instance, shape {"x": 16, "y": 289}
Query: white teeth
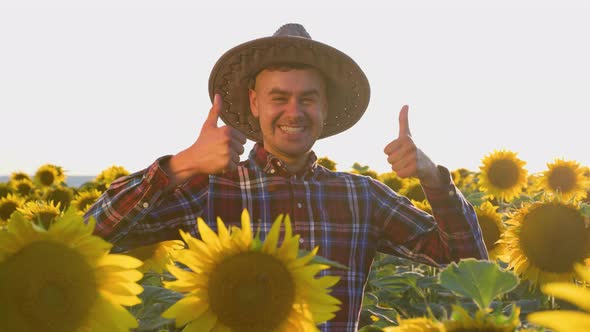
{"x": 289, "y": 129}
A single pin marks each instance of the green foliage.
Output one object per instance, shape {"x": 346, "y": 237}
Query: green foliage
{"x": 327, "y": 163}
{"x": 155, "y": 300}
{"x": 585, "y": 210}
{"x": 481, "y": 281}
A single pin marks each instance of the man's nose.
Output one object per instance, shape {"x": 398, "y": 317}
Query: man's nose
{"x": 293, "y": 107}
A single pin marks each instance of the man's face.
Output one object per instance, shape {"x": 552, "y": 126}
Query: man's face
{"x": 291, "y": 107}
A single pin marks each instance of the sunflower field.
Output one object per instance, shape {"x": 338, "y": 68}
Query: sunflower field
{"x": 55, "y": 275}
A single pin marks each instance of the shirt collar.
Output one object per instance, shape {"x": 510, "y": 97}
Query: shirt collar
{"x": 272, "y": 165}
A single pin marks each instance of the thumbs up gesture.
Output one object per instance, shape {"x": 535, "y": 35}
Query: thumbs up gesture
{"x": 216, "y": 150}
{"x": 408, "y": 160}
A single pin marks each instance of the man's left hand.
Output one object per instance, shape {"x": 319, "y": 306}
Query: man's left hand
{"x": 408, "y": 160}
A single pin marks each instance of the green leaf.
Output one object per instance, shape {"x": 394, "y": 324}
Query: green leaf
{"x": 475, "y": 198}
{"x": 155, "y": 300}
{"x": 321, "y": 260}
{"x": 585, "y": 209}
{"x": 482, "y": 281}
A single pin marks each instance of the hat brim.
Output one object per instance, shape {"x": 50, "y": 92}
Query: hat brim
{"x": 348, "y": 87}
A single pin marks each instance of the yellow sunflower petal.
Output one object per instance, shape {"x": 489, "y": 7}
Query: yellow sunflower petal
{"x": 222, "y": 230}
{"x": 109, "y": 317}
{"x": 207, "y": 235}
{"x": 186, "y": 310}
{"x": 272, "y": 238}
{"x": 301, "y": 261}
{"x": 120, "y": 260}
{"x": 288, "y": 229}
{"x": 246, "y": 231}
{"x": 126, "y": 300}
{"x": 202, "y": 324}
{"x": 569, "y": 292}
{"x": 561, "y": 320}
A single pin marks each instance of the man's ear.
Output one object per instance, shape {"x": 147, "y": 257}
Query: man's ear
{"x": 253, "y": 102}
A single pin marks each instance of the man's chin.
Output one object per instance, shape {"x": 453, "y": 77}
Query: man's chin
{"x": 295, "y": 152}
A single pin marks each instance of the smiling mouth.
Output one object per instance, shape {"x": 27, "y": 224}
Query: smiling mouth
{"x": 292, "y": 129}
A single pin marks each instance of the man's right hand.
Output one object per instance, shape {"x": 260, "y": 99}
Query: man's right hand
{"x": 216, "y": 150}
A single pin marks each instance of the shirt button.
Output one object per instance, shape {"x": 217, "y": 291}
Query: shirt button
{"x": 299, "y": 205}
{"x": 145, "y": 205}
{"x": 301, "y": 240}
{"x": 452, "y": 193}
{"x": 272, "y": 171}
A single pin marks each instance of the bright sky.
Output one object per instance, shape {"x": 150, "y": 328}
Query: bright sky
{"x": 89, "y": 84}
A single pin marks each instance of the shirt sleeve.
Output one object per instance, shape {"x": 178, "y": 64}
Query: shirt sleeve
{"x": 138, "y": 210}
{"x": 450, "y": 234}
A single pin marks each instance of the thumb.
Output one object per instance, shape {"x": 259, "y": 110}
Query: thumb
{"x": 213, "y": 116}
{"x": 404, "y": 126}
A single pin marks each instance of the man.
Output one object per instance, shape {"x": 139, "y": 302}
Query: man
{"x": 285, "y": 92}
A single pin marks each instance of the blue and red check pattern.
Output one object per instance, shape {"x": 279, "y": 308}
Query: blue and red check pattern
{"x": 348, "y": 216}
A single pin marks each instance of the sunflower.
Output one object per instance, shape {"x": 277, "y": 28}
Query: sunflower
{"x": 502, "y": 175}
{"x": 423, "y": 205}
{"x": 412, "y": 189}
{"x": 48, "y": 175}
{"x": 421, "y": 324}
{"x": 463, "y": 179}
{"x": 63, "y": 279}
{"x": 392, "y": 180}
{"x": 533, "y": 184}
{"x": 157, "y": 256}
{"x": 240, "y": 284}
{"x": 85, "y": 199}
{"x": 59, "y": 194}
{"x": 545, "y": 239}
{"x": 565, "y": 177}
{"x": 567, "y": 320}
{"x": 8, "y": 205}
{"x": 110, "y": 174}
{"x": 23, "y": 187}
{"x": 492, "y": 227}
{"x": 484, "y": 320}
{"x": 42, "y": 213}
{"x": 19, "y": 175}
{"x": 327, "y": 163}
{"x": 5, "y": 189}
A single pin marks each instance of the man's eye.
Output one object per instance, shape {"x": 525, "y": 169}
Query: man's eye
{"x": 280, "y": 99}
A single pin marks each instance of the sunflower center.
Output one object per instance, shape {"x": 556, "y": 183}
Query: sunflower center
{"x": 503, "y": 173}
{"x": 554, "y": 237}
{"x": 562, "y": 178}
{"x": 85, "y": 202}
{"x": 251, "y": 291}
{"x": 6, "y": 209}
{"x": 45, "y": 218}
{"x": 62, "y": 196}
{"x": 23, "y": 188}
{"x": 46, "y": 286}
{"x": 490, "y": 231}
{"x": 46, "y": 178}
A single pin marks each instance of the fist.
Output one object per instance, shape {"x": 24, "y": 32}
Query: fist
{"x": 402, "y": 152}
{"x": 217, "y": 149}
{"x": 406, "y": 159}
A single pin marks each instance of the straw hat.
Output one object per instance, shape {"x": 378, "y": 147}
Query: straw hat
{"x": 348, "y": 87}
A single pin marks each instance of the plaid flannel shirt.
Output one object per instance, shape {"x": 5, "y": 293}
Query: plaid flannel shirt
{"x": 350, "y": 217}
